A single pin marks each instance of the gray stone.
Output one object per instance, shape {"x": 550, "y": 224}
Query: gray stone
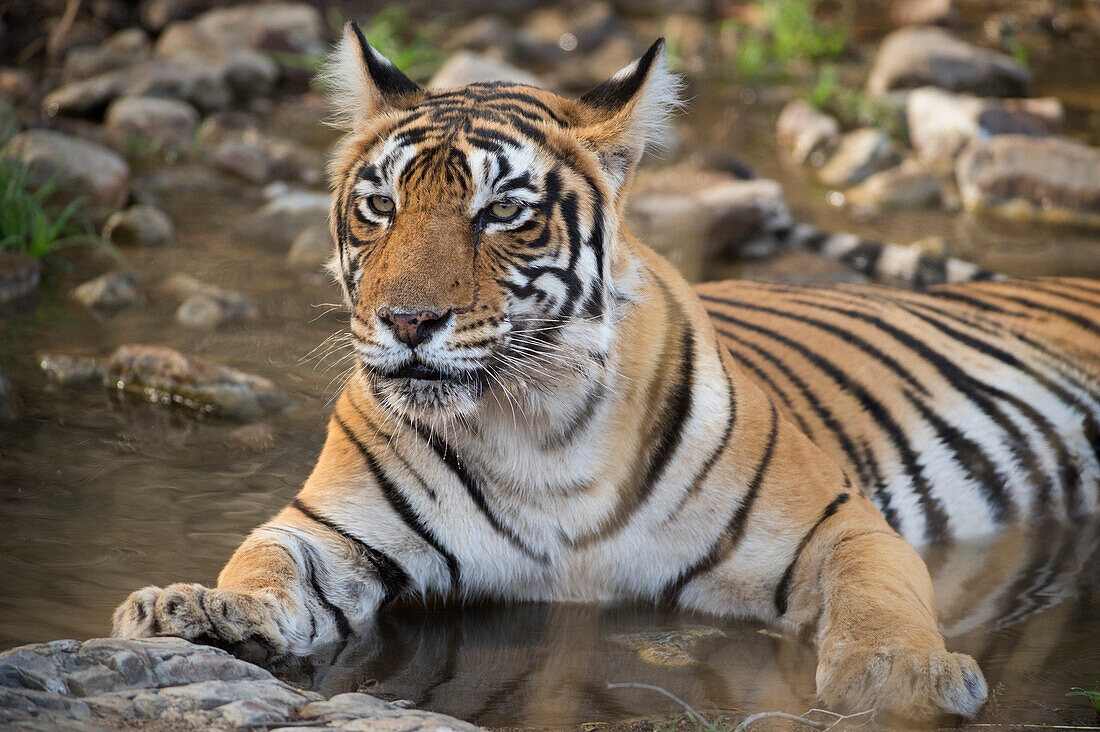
{"x": 70, "y": 369}
{"x": 205, "y": 305}
{"x": 941, "y": 123}
{"x": 909, "y": 185}
{"x": 283, "y": 218}
{"x": 165, "y": 376}
{"x": 168, "y": 683}
{"x": 312, "y": 249}
{"x": 1038, "y": 178}
{"x": 466, "y": 67}
{"x": 858, "y": 155}
{"x": 111, "y": 291}
{"x": 20, "y": 275}
{"x": 200, "y": 84}
{"x": 807, "y": 134}
{"x": 125, "y": 48}
{"x": 157, "y": 14}
{"x": 139, "y": 225}
{"x": 926, "y": 56}
{"x": 161, "y": 124}
{"x": 78, "y": 167}
{"x": 247, "y": 159}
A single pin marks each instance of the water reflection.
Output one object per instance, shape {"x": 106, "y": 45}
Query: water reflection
{"x": 1023, "y": 604}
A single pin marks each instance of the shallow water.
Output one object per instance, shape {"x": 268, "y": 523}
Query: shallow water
{"x": 100, "y": 496}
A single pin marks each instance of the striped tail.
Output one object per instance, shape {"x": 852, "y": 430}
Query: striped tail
{"x": 880, "y": 260}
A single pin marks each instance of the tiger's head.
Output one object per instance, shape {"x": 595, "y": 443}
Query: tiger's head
{"x": 478, "y": 229}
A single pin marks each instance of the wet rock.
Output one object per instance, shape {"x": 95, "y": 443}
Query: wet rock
{"x": 684, "y": 209}
{"x": 909, "y": 185}
{"x": 165, "y": 376}
{"x": 858, "y": 155}
{"x": 111, "y": 291}
{"x": 70, "y": 369}
{"x": 312, "y": 249}
{"x": 160, "y": 124}
{"x": 941, "y": 123}
{"x": 1042, "y": 178}
{"x": 123, "y": 49}
{"x": 201, "y": 85}
{"x": 139, "y": 225}
{"x": 78, "y": 167}
{"x": 466, "y": 67}
{"x": 807, "y": 134}
{"x": 20, "y": 276}
{"x": 205, "y": 305}
{"x": 924, "y": 12}
{"x": 668, "y": 647}
{"x": 253, "y": 437}
{"x": 925, "y": 56}
{"x": 283, "y": 218}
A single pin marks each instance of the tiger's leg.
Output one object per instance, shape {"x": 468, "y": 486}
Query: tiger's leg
{"x": 866, "y": 598}
{"x": 293, "y": 585}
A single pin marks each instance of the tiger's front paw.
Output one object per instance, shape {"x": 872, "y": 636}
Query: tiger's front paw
{"x": 910, "y": 683}
{"x": 239, "y": 623}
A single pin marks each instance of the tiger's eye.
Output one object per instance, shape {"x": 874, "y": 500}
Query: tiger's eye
{"x": 504, "y": 211}
{"x": 381, "y": 204}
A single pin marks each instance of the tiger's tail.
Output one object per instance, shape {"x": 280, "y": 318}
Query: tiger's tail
{"x": 883, "y": 260}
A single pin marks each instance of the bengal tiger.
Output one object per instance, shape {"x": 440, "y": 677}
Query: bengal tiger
{"x": 545, "y": 410}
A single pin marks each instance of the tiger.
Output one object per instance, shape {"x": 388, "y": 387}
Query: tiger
{"x": 543, "y": 409}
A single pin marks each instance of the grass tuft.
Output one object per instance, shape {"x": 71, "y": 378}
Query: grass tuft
{"x": 1093, "y": 696}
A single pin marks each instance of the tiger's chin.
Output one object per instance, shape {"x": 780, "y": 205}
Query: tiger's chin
{"x": 428, "y": 399}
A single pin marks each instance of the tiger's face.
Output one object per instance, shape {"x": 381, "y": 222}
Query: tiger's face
{"x": 476, "y": 230}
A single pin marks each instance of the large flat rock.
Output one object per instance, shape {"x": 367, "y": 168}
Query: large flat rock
{"x": 171, "y": 684}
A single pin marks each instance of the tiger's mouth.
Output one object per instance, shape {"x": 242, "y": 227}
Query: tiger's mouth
{"x": 419, "y": 370}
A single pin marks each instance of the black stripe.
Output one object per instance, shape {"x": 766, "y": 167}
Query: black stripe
{"x": 723, "y": 441}
{"x": 783, "y": 589}
{"x": 731, "y": 536}
{"x": 343, "y": 627}
{"x": 400, "y": 503}
{"x": 394, "y": 579}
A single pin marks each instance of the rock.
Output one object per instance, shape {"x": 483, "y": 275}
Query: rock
{"x": 925, "y": 56}
{"x": 924, "y": 12}
{"x": 160, "y": 124}
{"x": 685, "y": 209}
{"x": 8, "y": 410}
{"x": 157, "y": 14}
{"x": 704, "y": 8}
{"x": 909, "y": 185}
{"x": 466, "y": 67}
{"x": 200, "y": 84}
{"x": 20, "y": 275}
{"x": 941, "y": 123}
{"x": 253, "y": 437}
{"x": 125, "y": 48}
{"x": 81, "y": 32}
{"x": 247, "y": 159}
{"x": 1042, "y": 178}
{"x": 205, "y": 305}
{"x": 165, "y": 376}
{"x": 16, "y": 86}
{"x": 139, "y": 225}
{"x": 859, "y": 154}
{"x": 70, "y": 369}
{"x": 807, "y": 134}
{"x": 77, "y": 167}
{"x": 312, "y": 249}
{"x": 668, "y": 647}
{"x": 283, "y": 218}
{"x": 481, "y": 34}
{"x": 293, "y": 162}
{"x": 111, "y": 291}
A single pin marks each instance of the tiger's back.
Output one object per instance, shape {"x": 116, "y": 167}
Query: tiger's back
{"x": 960, "y": 409}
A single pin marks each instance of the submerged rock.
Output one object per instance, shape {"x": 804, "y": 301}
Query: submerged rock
{"x": 77, "y": 167}
{"x": 111, "y": 291}
{"x": 168, "y": 683}
{"x": 165, "y": 376}
{"x": 1046, "y": 179}
{"x": 668, "y": 647}
{"x": 71, "y": 369}
{"x": 859, "y": 154}
{"x": 205, "y": 305}
{"x": 926, "y": 56}
{"x": 139, "y": 225}
{"x": 941, "y": 123}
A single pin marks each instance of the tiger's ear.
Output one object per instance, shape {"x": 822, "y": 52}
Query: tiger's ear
{"x": 362, "y": 82}
{"x": 630, "y": 111}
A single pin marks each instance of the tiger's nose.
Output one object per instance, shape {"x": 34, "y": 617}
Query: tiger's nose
{"x": 413, "y": 328}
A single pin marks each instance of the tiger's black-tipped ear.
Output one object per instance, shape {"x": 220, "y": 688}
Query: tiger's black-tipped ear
{"x": 630, "y": 111}
{"x": 362, "y": 82}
